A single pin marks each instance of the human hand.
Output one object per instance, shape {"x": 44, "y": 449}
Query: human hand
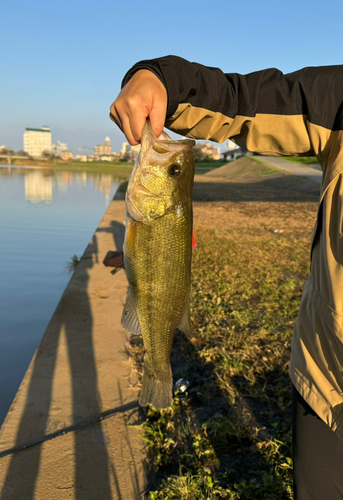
{"x": 144, "y": 96}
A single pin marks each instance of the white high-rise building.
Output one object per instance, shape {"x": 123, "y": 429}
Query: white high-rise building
{"x": 37, "y": 140}
{"x": 104, "y": 149}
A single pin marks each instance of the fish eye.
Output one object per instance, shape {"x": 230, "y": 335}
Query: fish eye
{"x": 174, "y": 170}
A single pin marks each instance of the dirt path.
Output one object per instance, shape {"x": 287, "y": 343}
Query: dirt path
{"x": 312, "y": 172}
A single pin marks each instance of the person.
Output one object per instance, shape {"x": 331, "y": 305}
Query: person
{"x": 296, "y": 114}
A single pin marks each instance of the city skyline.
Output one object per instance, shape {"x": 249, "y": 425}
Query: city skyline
{"x": 36, "y": 144}
{"x": 70, "y": 81}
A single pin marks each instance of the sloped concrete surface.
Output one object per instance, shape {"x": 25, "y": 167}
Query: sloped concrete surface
{"x": 76, "y": 405}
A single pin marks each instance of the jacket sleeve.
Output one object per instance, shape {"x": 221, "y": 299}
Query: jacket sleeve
{"x": 265, "y": 111}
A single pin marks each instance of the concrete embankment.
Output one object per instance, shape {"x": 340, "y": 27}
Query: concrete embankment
{"x": 69, "y": 431}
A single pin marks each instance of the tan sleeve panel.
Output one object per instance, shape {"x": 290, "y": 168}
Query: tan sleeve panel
{"x": 317, "y": 347}
{"x": 200, "y": 123}
{"x": 279, "y": 135}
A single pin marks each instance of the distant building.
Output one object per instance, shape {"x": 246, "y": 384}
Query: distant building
{"x": 204, "y": 151}
{"x": 129, "y": 153}
{"x": 37, "y": 140}
{"x": 104, "y": 149}
{"x": 125, "y": 148}
{"x": 112, "y": 157}
{"x": 233, "y": 151}
{"x": 81, "y": 157}
{"x": 59, "y": 148}
{"x": 67, "y": 155}
{"x": 231, "y": 145}
{"x": 5, "y": 151}
{"x": 234, "y": 154}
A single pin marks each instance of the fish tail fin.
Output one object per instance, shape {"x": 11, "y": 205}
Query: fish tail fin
{"x": 157, "y": 392}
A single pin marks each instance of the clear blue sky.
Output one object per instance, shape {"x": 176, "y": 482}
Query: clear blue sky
{"x": 62, "y": 61}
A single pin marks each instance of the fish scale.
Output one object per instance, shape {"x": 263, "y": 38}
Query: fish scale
{"x": 157, "y": 255}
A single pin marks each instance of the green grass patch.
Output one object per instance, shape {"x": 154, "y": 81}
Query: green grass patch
{"x": 268, "y": 171}
{"x": 230, "y": 436}
{"x": 210, "y": 164}
{"x": 69, "y": 165}
{"x": 305, "y": 160}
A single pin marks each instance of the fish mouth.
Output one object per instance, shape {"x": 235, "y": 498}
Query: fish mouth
{"x": 133, "y": 210}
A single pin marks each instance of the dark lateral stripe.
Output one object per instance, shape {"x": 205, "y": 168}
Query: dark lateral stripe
{"x": 315, "y": 92}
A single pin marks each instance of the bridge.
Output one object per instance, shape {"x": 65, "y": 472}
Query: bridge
{"x": 9, "y": 158}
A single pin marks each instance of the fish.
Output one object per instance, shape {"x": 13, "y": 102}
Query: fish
{"x": 157, "y": 256}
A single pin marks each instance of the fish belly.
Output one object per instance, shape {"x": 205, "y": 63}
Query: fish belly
{"x": 158, "y": 264}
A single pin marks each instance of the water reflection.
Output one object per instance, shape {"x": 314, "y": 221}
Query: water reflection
{"x": 46, "y": 216}
{"x": 103, "y": 184}
{"x": 63, "y": 180}
{"x": 38, "y": 188}
{"x": 42, "y": 182}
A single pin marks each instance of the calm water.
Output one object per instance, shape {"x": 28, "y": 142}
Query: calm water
{"x": 45, "y": 218}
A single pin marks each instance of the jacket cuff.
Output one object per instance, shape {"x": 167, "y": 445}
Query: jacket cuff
{"x": 164, "y": 71}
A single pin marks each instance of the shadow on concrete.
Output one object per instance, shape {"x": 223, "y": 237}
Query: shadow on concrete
{"x": 118, "y": 231}
{"x": 73, "y": 317}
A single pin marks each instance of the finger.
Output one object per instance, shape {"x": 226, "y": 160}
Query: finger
{"x": 137, "y": 123}
{"x": 127, "y": 131}
{"x": 158, "y": 116}
{"x": 114, "y": 115}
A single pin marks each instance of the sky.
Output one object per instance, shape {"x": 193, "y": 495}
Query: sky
{"x": 62, "y": 61}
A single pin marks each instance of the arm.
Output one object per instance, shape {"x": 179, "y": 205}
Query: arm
{"x": 265, "y": 111}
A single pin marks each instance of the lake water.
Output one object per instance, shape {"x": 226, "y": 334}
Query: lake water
{"x": 46, "y": 217}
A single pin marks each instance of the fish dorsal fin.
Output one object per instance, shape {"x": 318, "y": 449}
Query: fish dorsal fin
{"x": 185, "y": 322}
{"x": 129, "y": 319}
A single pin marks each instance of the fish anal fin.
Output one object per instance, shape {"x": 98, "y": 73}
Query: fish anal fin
{"x": 185, "y": 322}
{"x": 129, "y": 319}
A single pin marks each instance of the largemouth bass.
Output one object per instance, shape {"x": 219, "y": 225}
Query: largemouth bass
{"x": 157, "y": 256}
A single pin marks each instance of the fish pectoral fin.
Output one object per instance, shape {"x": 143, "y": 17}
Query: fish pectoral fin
{"x": 185, "y": 322}
{"x": 129, "y": 319}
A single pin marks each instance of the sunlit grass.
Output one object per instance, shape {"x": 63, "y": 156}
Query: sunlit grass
{"x": 302, "y": 159}
{"x": 231, "y": 437}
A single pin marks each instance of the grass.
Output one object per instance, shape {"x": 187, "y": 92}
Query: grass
{"x": 93, "y": 169}
{"x": 297, "y": 159}
{"x": 69, "y": 165}
{"x": 210, "y": 164}
{"x": 230, "y": 435}
{"x": 301, "y": 159}
{"x": 265, "y": 169}
{"x": 72, "y": 264}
